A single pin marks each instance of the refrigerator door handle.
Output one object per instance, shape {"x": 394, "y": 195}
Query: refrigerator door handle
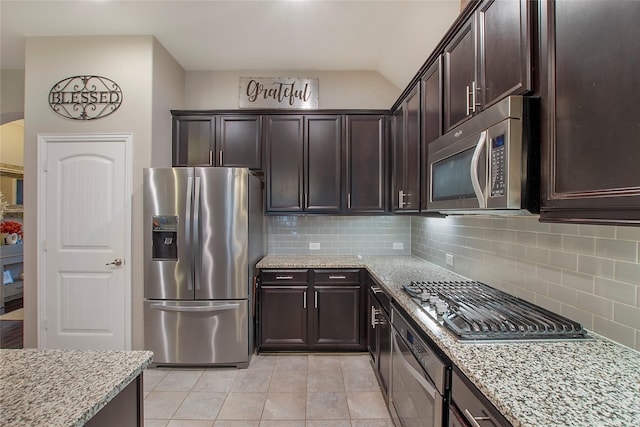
{"x": 197, "y": 256}
{"x": 196, "y": 309}
{"x": 187, "y": 229}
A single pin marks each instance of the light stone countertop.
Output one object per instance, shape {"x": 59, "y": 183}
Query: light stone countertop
{"x": 63, "y": 387}
{"x": 590, "y": 383}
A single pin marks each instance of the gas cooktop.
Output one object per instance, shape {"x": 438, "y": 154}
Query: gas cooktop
{"x": 475, "y": 311}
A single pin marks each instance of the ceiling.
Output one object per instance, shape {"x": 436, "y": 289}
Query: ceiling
{"x": 391, "y": 37}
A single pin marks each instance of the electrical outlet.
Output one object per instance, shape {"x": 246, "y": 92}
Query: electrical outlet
{"x": 448, "y": 259}
{"x": 314, "y": 246}
{"x": 398, "y": 245}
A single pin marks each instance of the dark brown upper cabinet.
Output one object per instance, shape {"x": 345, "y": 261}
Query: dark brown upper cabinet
{"x": 217, "y": 140}
{"x": 590, "y": 112}
{"x": 238, "y": 141}
{"x": 488, "y": 59}
{"x": 406, "y": 154}
{"x": 304, "y": 163}
{"x": 431, "y": 83}
{"x": 366, "y": 163}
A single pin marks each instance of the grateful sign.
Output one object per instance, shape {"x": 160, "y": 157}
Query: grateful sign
{"x": 278, "y": 92}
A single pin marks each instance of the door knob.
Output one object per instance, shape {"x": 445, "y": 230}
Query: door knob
{"x": 117, "y": 262}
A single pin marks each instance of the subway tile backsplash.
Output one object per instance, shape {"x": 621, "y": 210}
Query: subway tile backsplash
{"x": 339, "y": 235}
{"x": 588, "y": 273}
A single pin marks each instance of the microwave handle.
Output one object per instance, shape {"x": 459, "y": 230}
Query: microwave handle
{"x": 482, "y": 204}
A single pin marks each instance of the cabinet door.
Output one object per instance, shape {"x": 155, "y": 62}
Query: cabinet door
{"x": 323, "y": 164}
{"x": 505, "y": 50}
{"x": 459, "y": 74}
{"x": 397, "y": 159}
{"x": 373, "y": 337}
{"x": 239, "y": 141}
{"x": 283, "y": 318}
{"x": 285, "y": 140}
{"x": 193, "y": 140}
{"x": 366, "y": 156}
{"x": 431, "y": 119}
{"x": 411, "y": 155}
{"x": 590, "y": 149}
{"x": 406, "y": 154}
{"x": 337, "y": 318}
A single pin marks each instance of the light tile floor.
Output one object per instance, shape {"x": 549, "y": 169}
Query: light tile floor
{"x": 314, "y": 390}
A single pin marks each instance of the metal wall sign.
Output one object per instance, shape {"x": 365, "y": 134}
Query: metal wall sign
{"x": 85, "y": 97}
{"x": 278, "y": 92}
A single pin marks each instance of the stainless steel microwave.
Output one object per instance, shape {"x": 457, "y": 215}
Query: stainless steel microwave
{"x": 488, "y": 164}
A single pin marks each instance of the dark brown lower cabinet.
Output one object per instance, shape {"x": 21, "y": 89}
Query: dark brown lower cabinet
{"x": 283, "y": 318}
{"x": 326, "y": 313}
{"x": 337, "y": 322}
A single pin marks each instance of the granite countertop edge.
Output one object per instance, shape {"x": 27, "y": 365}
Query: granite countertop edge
{"x": 64, "y": 387}
{"x": 493, "y": 367}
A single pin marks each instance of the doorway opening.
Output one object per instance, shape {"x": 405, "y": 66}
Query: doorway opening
{"x": 11, "y": 233}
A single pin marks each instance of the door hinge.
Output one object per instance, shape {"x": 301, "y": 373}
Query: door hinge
{"x": 44, "y": 246}
{"x": 45, "y": 324}
{"x": 45, "y": 167}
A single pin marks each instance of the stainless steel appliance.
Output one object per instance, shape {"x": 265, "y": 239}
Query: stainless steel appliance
{"x": 203, "y": 231}
{"x": 489, "y": 163}
{"x": 419, "y": 378}
{"x": 475, "y": 311}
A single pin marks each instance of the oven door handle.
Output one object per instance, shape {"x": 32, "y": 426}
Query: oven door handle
{"x": 477, "y": 188}
{"x": 430, "y": 389}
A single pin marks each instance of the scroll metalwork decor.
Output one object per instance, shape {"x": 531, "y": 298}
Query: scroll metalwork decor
{"x": 278, "y": 92}
{"x": 85, "y": 97}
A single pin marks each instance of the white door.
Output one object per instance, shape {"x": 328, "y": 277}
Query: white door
{"x": 84, "y": 236}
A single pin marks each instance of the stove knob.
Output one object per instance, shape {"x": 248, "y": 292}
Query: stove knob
{"x": 441, "y": 307}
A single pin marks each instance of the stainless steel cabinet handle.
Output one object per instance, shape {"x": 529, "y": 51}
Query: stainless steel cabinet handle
{"x": 376, "y": 290}
{"x": 220, "y": 158}
{"x": 315, "y": 298}
{"x": 117, "y": 262}
{"x": 210, "y": 158}
{"x": 474, "y": 90}
{"x": 374, "y": 312}
{"x": 467, "y": 94}
{"x": 348, "y": 200}
{"x": 304, "y": 300}
{"x": 400, "y": 199}
{"x": 284, "y": 277}
{"x": 474, "y": 420}
{"x": 337, "y": 277}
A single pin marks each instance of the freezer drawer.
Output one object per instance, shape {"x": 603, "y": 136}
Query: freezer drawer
{"x": 197, "y": 332}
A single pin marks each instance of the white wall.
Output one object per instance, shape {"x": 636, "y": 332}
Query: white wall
{"x": 127, "y": 60}
{"x": 11, "y": 95}
{"x": 168, "y": 94}
{"x": 211, "y": 90}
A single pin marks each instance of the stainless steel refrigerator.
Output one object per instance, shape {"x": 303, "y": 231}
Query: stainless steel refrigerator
{"x": 203, "y": 231}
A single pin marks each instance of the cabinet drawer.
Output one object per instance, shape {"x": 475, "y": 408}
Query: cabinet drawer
{"x": 284, "y": 276}
{"x": 345, "y": 277}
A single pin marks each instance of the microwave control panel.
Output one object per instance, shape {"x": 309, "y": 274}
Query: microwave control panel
{"x": 498, "y": 166}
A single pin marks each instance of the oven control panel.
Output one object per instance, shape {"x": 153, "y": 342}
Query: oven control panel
{"x": 498, "y": 166}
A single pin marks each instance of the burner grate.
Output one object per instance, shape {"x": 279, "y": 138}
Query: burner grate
{"x": 473, "y": 310}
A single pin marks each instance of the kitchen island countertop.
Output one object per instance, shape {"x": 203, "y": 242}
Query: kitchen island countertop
{"x": 594, "y": 382}
{"x": 63, "y": 387}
